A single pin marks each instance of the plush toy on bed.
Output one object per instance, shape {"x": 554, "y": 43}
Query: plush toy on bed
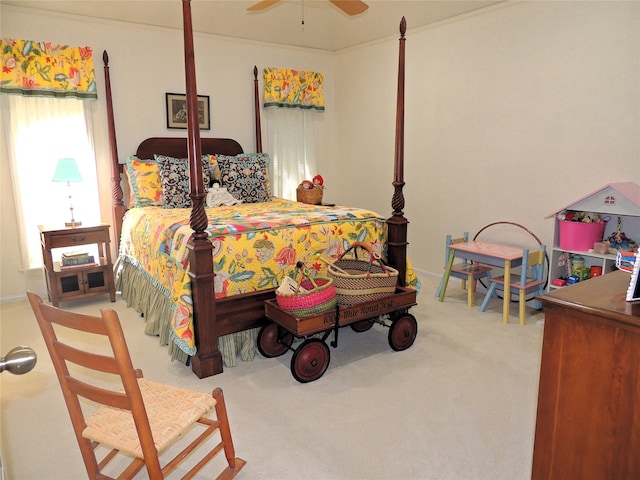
{"x": 217, "y": 195}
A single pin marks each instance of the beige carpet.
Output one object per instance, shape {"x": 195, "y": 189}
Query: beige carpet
{"x": 459, "y": 404}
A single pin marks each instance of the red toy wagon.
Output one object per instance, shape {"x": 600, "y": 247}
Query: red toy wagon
{"x": 311, "y": 358}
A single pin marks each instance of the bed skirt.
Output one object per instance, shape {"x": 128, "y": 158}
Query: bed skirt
{"x": 141, "y": 293}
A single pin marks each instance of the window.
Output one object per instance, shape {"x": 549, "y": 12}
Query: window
{"x": 39, "y": 131}
{"x": 291, "y": 134}
{"x": 292, "y": 99}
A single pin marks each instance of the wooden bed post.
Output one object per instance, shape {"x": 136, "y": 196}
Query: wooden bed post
{"x": 117, "y": 206}
{"x": 397, "y": 224}
{"x": 208, "y": 360}
{"x": 256, "y": 109}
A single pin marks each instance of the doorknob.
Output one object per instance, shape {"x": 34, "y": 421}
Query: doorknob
{"x": 19, "y": 360}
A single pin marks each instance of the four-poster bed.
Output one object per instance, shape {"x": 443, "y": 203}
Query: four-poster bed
{"x": 216, "y": 315}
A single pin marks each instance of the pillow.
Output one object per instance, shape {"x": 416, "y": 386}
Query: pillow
{"x": 246, "y": 176}
{"x": 144, "y": 180}
{"x": 174, "y": 175}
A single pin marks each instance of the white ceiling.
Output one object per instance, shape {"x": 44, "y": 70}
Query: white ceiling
{"x": 325, "y": 26}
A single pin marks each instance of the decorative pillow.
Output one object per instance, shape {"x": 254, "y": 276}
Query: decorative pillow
{"x": 174, "y": 175}
{"x": 246, "y": 176}
{"x": 144, "y": 180}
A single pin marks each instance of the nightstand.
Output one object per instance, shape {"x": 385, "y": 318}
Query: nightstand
{"x": 81, "y": 281}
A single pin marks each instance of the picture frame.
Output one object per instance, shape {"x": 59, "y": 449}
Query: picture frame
{"x": 176, "y": 104}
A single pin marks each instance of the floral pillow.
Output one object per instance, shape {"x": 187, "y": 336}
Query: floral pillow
{"x": 174, "y": 175}
{"x": 246, "y": 176}
{"x": 144, "y": 180}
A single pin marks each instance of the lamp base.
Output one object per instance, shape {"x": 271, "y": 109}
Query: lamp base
{"x": 73, "y": 223}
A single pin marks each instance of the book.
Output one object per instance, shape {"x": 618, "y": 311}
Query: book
{"x": 74, "y": 254}
{"x": 77, "y": 260}
{"x": 71, "y": 267}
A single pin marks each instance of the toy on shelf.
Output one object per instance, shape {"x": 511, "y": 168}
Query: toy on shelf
{"x": 625, "y": 261}
{"x": 620, "y": 242}
{"x": 579, "y": 230}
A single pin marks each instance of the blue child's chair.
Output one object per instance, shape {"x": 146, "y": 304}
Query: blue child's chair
{"x": 530, "y": 281}
{"x": 467, "y": 271}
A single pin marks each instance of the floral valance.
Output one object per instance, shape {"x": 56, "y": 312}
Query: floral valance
{"x": 47, "y": 69}
{"x": 285, "y": 87}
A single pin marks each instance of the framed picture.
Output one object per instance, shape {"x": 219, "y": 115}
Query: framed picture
{"x": 177, "y": 111}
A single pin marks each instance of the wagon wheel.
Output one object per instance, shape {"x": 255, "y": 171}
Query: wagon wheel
{"x": 362, "y": 325}
{"x": 403, "y": 332}
{"x": 272, "y": 342}
{"x": 310, "y": 360}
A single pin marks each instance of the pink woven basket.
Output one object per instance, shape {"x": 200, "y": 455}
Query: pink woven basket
{"x": 320, "y": 295}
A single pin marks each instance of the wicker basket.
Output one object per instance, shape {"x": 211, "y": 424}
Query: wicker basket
{"x": 312, "y": 196}
{"x": 320, "y": 295}
{"x": 358, "y": 281}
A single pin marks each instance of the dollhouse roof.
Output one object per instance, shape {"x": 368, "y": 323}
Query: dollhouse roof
{"x": 621, "y": 198}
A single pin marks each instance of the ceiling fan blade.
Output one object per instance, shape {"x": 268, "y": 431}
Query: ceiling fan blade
{"x": 262, "y": 5}
{"x": 351, "y": 7}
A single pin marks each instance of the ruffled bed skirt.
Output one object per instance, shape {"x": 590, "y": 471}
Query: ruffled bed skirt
{"x": 141, "y": 294}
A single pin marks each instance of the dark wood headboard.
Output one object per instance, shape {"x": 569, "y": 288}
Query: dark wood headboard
{"x": 177, "y": 147}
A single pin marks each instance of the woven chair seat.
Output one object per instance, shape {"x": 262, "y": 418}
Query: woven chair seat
{"x": 115, "y": 428}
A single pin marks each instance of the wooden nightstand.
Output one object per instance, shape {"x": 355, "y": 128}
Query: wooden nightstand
{"x": 72, "y": 283}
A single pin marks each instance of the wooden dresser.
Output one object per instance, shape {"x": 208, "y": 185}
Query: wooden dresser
{"x": 588, "y": 420}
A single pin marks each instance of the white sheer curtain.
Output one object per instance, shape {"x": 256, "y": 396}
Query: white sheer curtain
{"x": 291, "y": 135}
{"x": 39, "y": 131}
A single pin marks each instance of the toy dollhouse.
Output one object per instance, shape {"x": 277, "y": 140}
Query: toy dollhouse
{"x": 612, "y": 215}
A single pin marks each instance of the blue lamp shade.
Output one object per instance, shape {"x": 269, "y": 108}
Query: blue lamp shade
{"x": 67, "y": 171}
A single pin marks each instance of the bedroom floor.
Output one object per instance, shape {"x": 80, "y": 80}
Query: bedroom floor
{"x": 459, "y": 404}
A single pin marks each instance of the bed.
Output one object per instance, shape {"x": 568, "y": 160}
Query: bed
{"x": 201, "y": 314}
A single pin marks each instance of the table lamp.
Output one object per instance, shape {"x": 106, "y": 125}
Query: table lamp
{"x": 67, "y": 171}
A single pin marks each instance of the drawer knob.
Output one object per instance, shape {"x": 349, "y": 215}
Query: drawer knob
{"x": 78, "y": 239}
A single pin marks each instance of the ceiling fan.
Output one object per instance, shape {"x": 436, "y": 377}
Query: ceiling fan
{"x": 350, "y": 7}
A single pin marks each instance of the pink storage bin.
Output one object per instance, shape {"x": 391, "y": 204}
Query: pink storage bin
{"x": 580, "y": 236}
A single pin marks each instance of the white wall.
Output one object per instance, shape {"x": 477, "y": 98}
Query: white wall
{"x": 145, "y": 63}
{"x": 511, "y": 113}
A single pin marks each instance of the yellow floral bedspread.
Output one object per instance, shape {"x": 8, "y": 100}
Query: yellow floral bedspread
{"x": 254, "y": 247}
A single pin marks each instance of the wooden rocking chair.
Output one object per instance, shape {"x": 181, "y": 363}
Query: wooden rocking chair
{"x": 139, "y": 418}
